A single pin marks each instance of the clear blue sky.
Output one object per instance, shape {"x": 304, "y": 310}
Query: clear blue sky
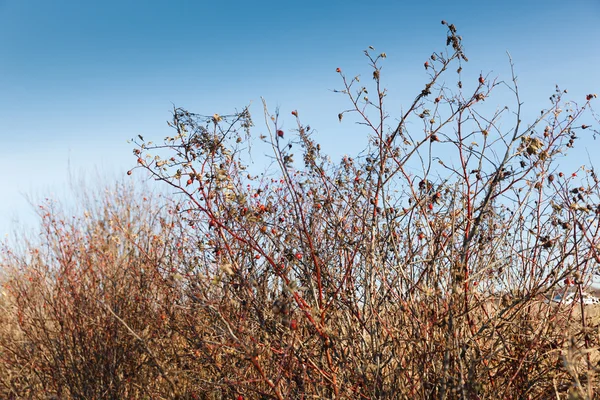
{"x": 79, "y": 78}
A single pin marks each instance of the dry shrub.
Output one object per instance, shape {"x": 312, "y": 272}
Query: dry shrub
{"x": 65, "y": 290}
{"x": 423, "y": 267}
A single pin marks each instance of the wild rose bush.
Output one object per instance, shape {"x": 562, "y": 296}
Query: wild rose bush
{"x": 75, "y": 297}
{"x": 419, "y": 268}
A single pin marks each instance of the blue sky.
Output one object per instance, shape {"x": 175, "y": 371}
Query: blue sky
{"x": 77, "y": 79}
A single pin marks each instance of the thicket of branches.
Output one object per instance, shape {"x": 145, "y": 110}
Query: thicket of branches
{"x": 420, "y": 268}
